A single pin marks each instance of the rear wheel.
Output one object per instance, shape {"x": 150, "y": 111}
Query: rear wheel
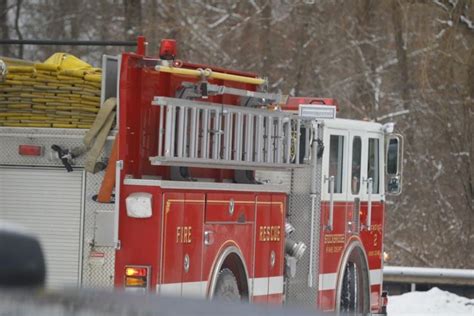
{"x": 227, "y": 288}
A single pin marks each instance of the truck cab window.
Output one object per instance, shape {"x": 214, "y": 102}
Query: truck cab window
{"x": 356, "y": 163}
{"x": 373, "y": 164}
{"x": 336, "y": 152}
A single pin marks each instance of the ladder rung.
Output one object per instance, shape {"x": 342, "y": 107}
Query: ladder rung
{"x": 161, "y": 132}
{"x": 249, "y": 137}
{"x": 259, "y": 140}
{"x": 226, "y": 149}
{"x": 181, "y": 132}
{"x": 279, "y": 141}
{"x": 193, "y": 136}
{"x": 205, "y": 134}
{"x": 238, "y": 137}
{"x": 169, "y": 131}
{"x": 288, "y": 141}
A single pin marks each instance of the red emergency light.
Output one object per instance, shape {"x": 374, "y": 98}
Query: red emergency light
{"x": 168, "y": 49}
{"x": 136, "y": 272}
{"x": 30, "y": 150}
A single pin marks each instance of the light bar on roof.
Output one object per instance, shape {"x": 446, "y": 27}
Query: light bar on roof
{"x": 322, "y": 112}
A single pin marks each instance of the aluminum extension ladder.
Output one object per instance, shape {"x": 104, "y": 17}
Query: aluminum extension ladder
{"x": 210, "y": 135}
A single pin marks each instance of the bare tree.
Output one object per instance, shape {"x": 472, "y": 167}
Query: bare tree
{"x": 4, "y": 25}
{"x": 17, "y": 26}
{"x": 133, "y": 17}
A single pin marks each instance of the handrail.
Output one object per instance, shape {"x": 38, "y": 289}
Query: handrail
{"x": 330, "y": 224}
{"x": 198, "y": 73}
{"x": 369, "y": 203}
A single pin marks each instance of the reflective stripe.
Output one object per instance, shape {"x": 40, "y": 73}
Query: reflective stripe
{"x": 267, "y": 286}
{"x": 275, "y": 285}
{"x": 170, "y": 289}
{"x": 327, "y": 281}
{"x": 376, "y": 276}
{"x": 194, "y": 289}
{"x": 261, "y": 286}
{"x": 188, "y": 289}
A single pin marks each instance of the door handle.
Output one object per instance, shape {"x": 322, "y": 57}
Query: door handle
{"x": 329, "y": 226}
{"x": 368, "y": 221}
{"x": 208, "y": 237}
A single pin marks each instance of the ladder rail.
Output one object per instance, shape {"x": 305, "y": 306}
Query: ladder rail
{"x": 202, "y": 133}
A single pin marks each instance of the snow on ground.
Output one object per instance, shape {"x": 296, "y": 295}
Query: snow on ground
{"x": 432, "y": 302}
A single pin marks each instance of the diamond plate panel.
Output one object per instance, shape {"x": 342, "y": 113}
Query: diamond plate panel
{"x": 94, "y": 273}
{"x": 298, "y": 182}
{"x": 300, "y": 201}
{"x": 297, "y": 291}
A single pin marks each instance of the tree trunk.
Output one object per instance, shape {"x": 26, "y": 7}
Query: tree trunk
{"x": 4, "y": 26}
{"x": 17, "y": 27}
{"x": 265, "y": 39}
{"x": 133, "y": 18}
{"x": 302, "y": 18}
{"x": 401, "y": 53}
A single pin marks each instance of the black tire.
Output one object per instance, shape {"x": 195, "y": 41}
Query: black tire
{"x": 355, "y": 294}
{"x": 349, "y": 289}
{"x": 227, "y": 288}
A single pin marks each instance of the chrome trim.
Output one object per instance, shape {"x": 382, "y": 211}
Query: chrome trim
{"x": 231, "y": 206}
{"x": 329, "y": 226}
{"x": 272, "y": 259}
{"x": 311, "y": 245}
{"x": 186, "y": 263}
{"x": 208, "y": 237}
{"x": 220, "y": 261}
{"x": 369, "y": 203}
{"x": 118, "y": 168}
{"x": 81, "y": 234}
{"x": 166, "y": 184}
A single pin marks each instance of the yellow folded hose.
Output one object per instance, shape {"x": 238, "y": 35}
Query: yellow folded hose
{"x": 62, "y": 92}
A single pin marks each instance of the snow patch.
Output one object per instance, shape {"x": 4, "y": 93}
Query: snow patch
{"x": 432, "y": 302}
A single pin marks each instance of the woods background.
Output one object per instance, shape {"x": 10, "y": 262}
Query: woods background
{"x": 407, "y": 61}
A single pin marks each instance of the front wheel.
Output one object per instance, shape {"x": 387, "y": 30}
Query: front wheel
{"x": 354, "y": 291}
{"x": 227, "y": 288}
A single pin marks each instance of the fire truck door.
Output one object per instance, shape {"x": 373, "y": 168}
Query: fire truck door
{"x": 268, "y": 275}
{"x": 182, "y": 244}
{"x": 372, "y": 211}
{"x": 357, "y": 178}
{"x": 333, "y": 209}
{"x": 192, "y": 240}
{"x": 262, "y": 249}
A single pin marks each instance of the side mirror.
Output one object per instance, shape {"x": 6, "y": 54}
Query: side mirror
{"x": 21, "y": 259}
{"x": 393, "y": 164}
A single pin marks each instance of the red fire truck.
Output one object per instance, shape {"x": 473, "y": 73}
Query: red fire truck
{"x": 222, "y": 190}
{"x": 228, "y": 191}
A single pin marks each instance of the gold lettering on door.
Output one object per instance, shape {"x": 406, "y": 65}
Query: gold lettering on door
{"x": 183, "y": 235}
